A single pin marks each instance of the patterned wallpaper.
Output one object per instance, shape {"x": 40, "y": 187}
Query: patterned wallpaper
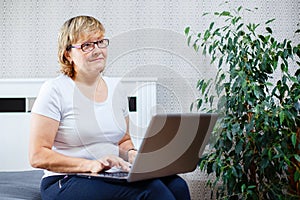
{"x": 147, "y": 38}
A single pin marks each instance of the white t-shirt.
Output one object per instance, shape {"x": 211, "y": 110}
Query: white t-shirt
{"x": 87, "y": 129}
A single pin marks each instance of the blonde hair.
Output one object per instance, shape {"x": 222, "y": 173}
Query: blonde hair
{"x": 71, "y": 31}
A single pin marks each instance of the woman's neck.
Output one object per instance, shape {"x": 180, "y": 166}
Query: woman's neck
{"x": 90, "y": 80}
{"x": 93, "y": 88}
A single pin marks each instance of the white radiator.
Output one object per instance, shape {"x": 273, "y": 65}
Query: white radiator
{"x": 144, "y": 92}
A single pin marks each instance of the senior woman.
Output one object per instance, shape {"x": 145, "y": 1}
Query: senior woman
{"x": 80, "y": 122}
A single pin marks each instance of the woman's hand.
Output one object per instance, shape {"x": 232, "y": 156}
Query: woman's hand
{"x": 108, "y": 162}
{"x": 131, "y": 154}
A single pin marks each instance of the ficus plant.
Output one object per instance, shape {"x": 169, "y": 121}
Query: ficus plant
{"x": 256, "y": 92}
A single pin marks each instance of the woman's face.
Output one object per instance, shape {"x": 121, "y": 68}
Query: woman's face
{"x": 92, "y": 62}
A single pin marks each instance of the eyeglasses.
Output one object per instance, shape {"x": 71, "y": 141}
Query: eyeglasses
{"x": 90, "y": 46}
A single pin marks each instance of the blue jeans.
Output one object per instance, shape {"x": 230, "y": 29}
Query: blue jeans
{"x": 80, "y": 188}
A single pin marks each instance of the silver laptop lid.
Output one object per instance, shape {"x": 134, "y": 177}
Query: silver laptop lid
{"x": 173, "y": 144}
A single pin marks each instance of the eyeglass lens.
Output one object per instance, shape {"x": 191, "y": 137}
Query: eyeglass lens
{"x": 89, "y": 46}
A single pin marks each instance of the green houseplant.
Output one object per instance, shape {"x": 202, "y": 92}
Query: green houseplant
{"x": 256, "y": 91}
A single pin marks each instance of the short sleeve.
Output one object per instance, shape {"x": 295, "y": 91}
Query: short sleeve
{"x": 48, "y": 102}
{"x": 119, "y": 96}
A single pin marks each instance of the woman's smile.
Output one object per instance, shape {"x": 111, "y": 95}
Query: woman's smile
{"x": 97, "y": 59}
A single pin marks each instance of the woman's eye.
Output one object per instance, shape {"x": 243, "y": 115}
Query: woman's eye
{"x": 87, "y": 45}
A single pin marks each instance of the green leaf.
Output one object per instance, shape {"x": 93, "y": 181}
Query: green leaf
{"x": 228, "y": 134}
{"x": 204, "y": 50}
{"x": 243, "y": 188}
{"x": 269, "y": 84}
{"x": 269, "y": 30}
{"x": 270, "y": 154}
{"x": 294, "y": 79}
{"x": 200, "y": 83}
{"x": 199, "y": 104}
{"x": 189, "y": 40}
{"x": 206, "y": 35}
{"x": 204, "y": 86}
{"x": 196, "y": 47}
{"x": 270, "y": 20}
{"x": 297, "y": 176}
{"x": 206, "y": 13}
{"x": 234, "y": 172}
{"x": 297, "y": 157}
{"x": 240, "y": 26}
{"x": 202, "y": 164}
{"x": 239, "y": 147}
{"x": 211, "y": 25}
{"x": 294, "y": 139}
{"x": 220, "y": 62}
{"x": 187, "y": 30}
{"x": 191, "y": 106}
{"x": 225, "y": 13}
{"x": 287, "y": 160}
{"x": 210, "y": 49}
{"x": 257, "y": 93}
{"x": 281, "y": 116}
{"x": 264, "y": 163}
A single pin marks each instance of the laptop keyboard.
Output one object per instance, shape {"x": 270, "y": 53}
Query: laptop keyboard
{"x": 115, "y": 174}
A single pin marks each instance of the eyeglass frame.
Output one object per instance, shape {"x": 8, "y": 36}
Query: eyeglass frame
{"x": 93, "y": 43}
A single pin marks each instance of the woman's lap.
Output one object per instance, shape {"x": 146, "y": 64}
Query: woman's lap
{"x": 75, "y": 187}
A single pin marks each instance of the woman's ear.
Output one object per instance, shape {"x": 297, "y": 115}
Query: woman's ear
{"x": 67, "y": 56}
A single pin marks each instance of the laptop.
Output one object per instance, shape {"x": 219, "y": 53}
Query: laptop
{"x": 173, "y": 144}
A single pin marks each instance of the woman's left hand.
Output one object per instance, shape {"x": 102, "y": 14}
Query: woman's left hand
{"x": 114, "y": 161}
{"x": 131, "y": 155}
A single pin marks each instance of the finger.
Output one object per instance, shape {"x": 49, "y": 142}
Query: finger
{"x": 96, "y": 166}
{"x": 104, "y": 163}
{"x": 116, "y": 161}
{"x": 120, "y": 163}
{"x": 125, "y": 165}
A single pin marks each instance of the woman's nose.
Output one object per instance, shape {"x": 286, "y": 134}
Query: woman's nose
{"x": 97, "y": 51}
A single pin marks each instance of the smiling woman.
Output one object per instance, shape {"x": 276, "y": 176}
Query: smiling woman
{"x": 86, "y": 30}
{"x": 80, "y": 123}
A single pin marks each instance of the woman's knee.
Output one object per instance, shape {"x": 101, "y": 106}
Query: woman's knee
{"x": 177, "y": 186}
{"x": 156, "y": 189}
